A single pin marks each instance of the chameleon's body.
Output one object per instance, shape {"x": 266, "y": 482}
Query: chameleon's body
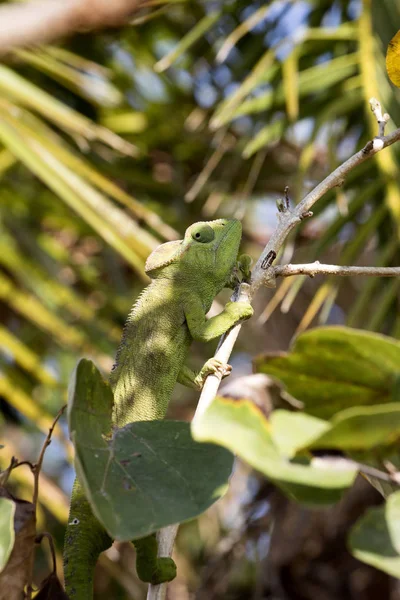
{"x": 169, "y": 314}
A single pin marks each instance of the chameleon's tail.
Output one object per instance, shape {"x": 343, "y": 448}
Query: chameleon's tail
{"x": 84, "y": 540}
{"x": 150, "y": 567}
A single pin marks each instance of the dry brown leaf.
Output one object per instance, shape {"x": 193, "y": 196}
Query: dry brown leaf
{"x": 19, "y": 567}
{"x": 51, "y": 589}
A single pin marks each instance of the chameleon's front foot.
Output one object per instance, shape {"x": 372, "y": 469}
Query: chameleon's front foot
{"x": 241, "y": 272}
{"x": 212, "y": 366}
{"x": 150, "y": 567}
{"x": 239, "y": 311}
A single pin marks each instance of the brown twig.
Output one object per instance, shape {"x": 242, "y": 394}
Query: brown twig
{"x": 38, "y": 466}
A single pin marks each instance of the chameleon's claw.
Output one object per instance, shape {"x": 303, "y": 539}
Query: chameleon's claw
{"x": 212, "y": 366}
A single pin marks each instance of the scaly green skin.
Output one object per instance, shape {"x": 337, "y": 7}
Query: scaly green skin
{"x": 169, "y": 314}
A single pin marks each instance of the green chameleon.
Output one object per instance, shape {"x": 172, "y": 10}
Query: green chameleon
{"x": 171, "y": 312}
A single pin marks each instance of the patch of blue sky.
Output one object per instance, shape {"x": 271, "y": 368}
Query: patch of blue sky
{"x": 150, "y": 85}
{"x": 323, "y": 58}
{"x": 124, "y": 58}
{"x": 163, "y": 46}
{"x": 289, "y": 29}
{"x": 261, "y": 89}
{"x": 261, "y": 25}
{"x": 275, "y": 10}
{"x": 348, "y": 144}
{"x": 234, "y": 57}
{"x": 301, "y": 131}
{"x": 53, "y": 367}
{"x": 230, "y": 89}
{"x": 202, "y": 72}
{"x": 183, "y": 79}
{"x": 336, "y": 316}
{"x": 354, "y": 9}
{"x": 222, "y": 76}
{"x": 333, "y": 16}
{"x": 294, "y": 17}
{"x": 206, "y": 95}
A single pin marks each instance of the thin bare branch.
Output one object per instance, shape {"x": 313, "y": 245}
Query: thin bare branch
{"x": 287, "y": 220}
{"x": 38, "y": 466}
{"x": 316, "y": 268}
{"x": 36, "y": 473}
{"x": 43, "y": 21}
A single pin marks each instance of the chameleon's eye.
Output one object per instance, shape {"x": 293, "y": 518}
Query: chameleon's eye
{"x": 203, "y": 234}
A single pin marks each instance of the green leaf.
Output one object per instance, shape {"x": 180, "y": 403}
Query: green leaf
{"x": 270, "y": 133}
{"x": 7, "y": 535}
{"x": 241, "y": 427}
{"x": 375, "y": 539}
{"x": 333, "y": 368}
{"x": 27, "y": 94}
{"x": 362, "y": 428}
{"x": 143, "y": 477}
{"x": 71, "y": 188}
{"x": 91, "y": 84}
{"x": 294, "y": 430}
{"x": 198, "y": 31}
{"x": 310, "y": 81}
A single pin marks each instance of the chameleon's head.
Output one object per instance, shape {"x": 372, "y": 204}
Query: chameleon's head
{"x": 209, "y": 249}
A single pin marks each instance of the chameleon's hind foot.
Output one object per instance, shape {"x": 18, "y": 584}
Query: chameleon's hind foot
{"x": 150, "y": 567}
{"x": 212, "y": 366}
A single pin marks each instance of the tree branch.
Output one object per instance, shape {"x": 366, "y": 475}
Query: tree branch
{"x": 316, "y": 268}
{"x": 43, "y": 21}
{"x": 263, "y": 271}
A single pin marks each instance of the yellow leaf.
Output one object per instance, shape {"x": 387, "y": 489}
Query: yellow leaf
{"x": 393, "y": 59}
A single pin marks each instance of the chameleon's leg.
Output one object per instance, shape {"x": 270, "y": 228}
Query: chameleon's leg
{"x": 85, "y": 539}
{"x": 203, "y": 329}
{"x": 194, "y": 380}
{"x": 150, "y": 567}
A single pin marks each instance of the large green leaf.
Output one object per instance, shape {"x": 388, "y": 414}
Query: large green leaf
{"x": 244, "y": 429}
{"x": 333, "y": 368}
{"x": 7, "y": 535}
{"x": 375, "y": 539}
{"x": 143, "y": 477}
{"x": 292, "y": 431}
